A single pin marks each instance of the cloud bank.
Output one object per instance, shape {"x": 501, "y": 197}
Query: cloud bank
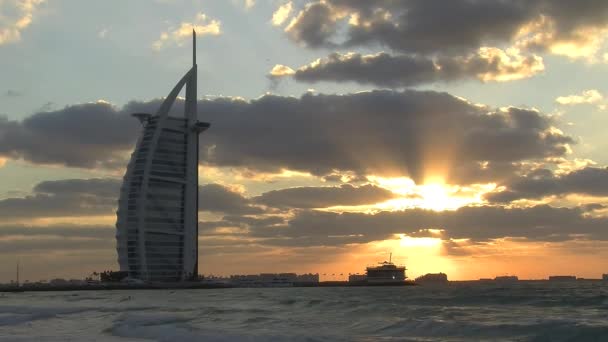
{"x": 386, "y": 133}
{"x": 491, "y": 40}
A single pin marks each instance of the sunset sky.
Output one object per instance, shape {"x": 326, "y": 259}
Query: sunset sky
{"x": 463, "y": 136}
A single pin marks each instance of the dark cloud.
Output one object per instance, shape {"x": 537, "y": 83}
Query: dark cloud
{"x": 481, "y": 223}
{"x": 101, "y": 187}
{"x": 388, "y": 70}
{"x": 267, "y": 220}
{"x": 87, "y": 135}
{"x": 45, "y": 245}
{"x": 594, "y": 206}
{"x": 323, "y": 197}
{"x": 218, "y": 198}
{"x": 590, "y": 181}
{"x": 310, "y": 228}
{"x": 26, "y": 239}
{"x": 99, "y": 196}
{"x": 74, "y": 197}
{"x": 71, "y": 231}
{"x": 455, "y": 26}
{"x": 378, "y": 132}
{"x": 217, "y": 228}
{"x": 315, "y": 25}
{"x": 317, "y": 241}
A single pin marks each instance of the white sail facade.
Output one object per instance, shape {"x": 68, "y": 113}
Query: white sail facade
{"x": 157, "y": 217}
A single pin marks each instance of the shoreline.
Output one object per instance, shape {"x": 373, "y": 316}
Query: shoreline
{"x": 183, "y": 286}
{"x": 194, "y": 286}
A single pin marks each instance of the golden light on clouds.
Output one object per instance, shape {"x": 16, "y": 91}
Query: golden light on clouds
{"x": 585, "y": 43}
{"x": 590, "y": 96}
{"x": 542, "y": 32}
{"x": 74, "y": 220}
{"x": 228, "y": 174}
{"x": 11, "y": 28}
{"x": 511, "y": 64}
{"x": 282, "y": 14}
{"x": 432, "y": 196}
{"x": 203, "y": 25}
{"x": 281, "y": 70}
{"x": 427, "y": 242}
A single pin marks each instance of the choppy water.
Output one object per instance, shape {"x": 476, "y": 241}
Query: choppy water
{"x": 522, "y": 312}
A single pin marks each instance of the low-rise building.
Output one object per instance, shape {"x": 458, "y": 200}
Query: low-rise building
{"x": 506, "y": 279}
{"x": 562, "y": 278}
{"x": 308, "y": 278}
{"x": 357, "y": 278}
{"x": 273, "y": 279}
{"x": 433, "y": 278}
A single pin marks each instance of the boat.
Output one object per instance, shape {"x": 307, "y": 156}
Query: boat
{"x": 386, "y": 273}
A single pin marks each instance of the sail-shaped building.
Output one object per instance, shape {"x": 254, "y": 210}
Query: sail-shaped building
{"x": 157, "y": 217}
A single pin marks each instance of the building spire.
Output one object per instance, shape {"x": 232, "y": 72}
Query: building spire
{"x": 193, "y": 47}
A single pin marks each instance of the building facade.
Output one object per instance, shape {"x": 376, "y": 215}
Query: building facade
{"x": 157, "y": 217}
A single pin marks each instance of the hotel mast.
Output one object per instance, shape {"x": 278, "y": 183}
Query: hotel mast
{"x": 157, "y": 217}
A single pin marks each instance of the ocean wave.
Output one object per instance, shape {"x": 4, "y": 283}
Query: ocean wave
{"x": 461, "y": 312}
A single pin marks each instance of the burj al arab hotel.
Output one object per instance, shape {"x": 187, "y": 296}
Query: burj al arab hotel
{"x": 157, "y": 217}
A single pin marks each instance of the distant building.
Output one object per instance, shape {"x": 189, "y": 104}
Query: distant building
{"x": 562, "y": 278}
{"x": 273, "y": 279}
{"x": 278, "y": 279}
{"x": 216, "y": 280}
{"x": 249, "y": 280}
{"x": 506, "y": 279}
{"x": 433, "y": 278}
{"x": 605, "y": 276}
{"x": 157, "y": 217}
{"x": 357, "y": 278}
{"x": 58, "y": 281}
{"x": 308, "y": 278}
{"x": 112, "y": 276}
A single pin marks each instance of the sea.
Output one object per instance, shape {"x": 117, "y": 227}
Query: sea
{"x": 523, "y": 311}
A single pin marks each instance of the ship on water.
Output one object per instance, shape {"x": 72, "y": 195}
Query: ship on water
{"x": 386, "y": 273}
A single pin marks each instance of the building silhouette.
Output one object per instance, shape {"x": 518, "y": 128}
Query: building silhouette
{"x": 157, "y": 217}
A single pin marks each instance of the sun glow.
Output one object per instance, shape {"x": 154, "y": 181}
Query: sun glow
{"x": 408, "y": 241}
{"x": 437, "y": 197}
{"x": 434, "y": 195}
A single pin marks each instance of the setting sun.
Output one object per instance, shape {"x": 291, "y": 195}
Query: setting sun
{"x": 433, "y": 196}
{"x": 437, "y": 197}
